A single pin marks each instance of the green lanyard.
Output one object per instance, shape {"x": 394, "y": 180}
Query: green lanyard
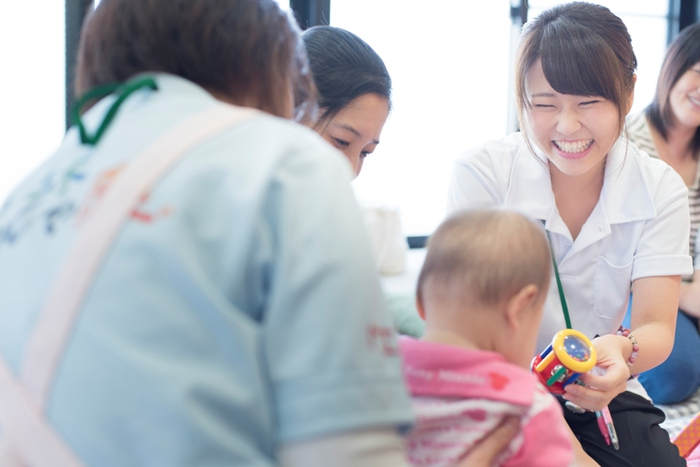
{"x": 122, "y": 91}
{"x": 564, "y": 308}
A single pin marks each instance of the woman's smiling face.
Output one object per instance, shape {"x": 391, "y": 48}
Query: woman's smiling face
{"x": 574, "y": 132}
{"x": 685, "y": 98}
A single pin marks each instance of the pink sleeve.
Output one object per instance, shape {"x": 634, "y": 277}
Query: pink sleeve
{"x": 546, "y": 441}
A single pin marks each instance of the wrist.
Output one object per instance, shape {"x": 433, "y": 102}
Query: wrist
{"x": 633, "y": 346}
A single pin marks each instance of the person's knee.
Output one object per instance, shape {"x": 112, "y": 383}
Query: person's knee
{"x": 678, "y": 377}
{"x": 671, "y": 382}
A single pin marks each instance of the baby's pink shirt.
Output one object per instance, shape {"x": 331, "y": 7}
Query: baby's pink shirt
{"x": 459, "y": 395}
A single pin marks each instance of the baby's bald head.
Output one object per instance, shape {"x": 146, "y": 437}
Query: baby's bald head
{"x": 482, "y": 257}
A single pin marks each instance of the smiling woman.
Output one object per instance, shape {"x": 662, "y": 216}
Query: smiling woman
{"x": 575, "y": 132}
{"x": 613, "y": 215}
{"x": 354, "y": 90}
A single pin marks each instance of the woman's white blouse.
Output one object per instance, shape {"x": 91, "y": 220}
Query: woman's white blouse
{"x": 638, "y": 228}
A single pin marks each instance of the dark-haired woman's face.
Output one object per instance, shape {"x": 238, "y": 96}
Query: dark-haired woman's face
{"x": 356, "y": 128}
{"x": 574, "y": 132}
{"x": 685, "y": 98}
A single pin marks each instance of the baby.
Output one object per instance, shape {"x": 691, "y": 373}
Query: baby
{"x": 481, "y": 292}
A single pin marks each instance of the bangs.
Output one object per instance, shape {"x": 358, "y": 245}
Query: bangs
{"x": 688, "y": 55}
{"x": 580, "y": 63}
{"x": 585, "y": 50}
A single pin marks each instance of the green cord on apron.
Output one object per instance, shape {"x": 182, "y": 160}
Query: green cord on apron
{"x": 122, "y": 90}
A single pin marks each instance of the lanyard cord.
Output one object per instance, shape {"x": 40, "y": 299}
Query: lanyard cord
{"x": 123, "y": 90}
{"x": 564, "y": 308}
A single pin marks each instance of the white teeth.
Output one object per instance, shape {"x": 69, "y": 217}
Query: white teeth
{"x": 575, "y": 147}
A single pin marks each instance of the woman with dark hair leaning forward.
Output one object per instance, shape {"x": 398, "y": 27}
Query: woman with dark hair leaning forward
{"x": 354, "y": 91}
{"x": 354, "y": 99}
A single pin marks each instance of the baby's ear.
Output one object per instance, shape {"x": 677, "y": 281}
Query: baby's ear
{"x": 519, "y": 304}
{"x": 419, "y": 307}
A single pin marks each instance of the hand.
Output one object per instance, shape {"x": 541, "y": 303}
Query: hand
{"x": 486, "y": 451}
{"x": 611, "y": 379}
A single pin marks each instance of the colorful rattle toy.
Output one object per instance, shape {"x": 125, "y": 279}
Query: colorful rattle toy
{"x": 562, "y": 362}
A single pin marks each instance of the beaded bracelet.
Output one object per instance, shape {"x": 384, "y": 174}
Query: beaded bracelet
{"x": 625, "y": 332}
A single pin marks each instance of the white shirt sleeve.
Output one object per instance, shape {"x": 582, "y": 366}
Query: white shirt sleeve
{"x": 329, "y": 343}
{"x": 474, "y": 182}
{"x": 662, "y": 249}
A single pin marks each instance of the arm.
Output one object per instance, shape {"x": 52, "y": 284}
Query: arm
{"x": 329, "y": 348}
{"x": 654, "y": 311}
{"x": 581, "y": 459}
{"x": 384, "y": 448}
{"x": 690, "y": 296}
{"x": 379, "y": 447}
{"x": 488, "y": 449}
{"x": 547, "y": 439}
{"x": 661, "y": 256}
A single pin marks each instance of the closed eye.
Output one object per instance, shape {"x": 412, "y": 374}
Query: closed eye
{"x": 594, "y": 101}
{"x": 341, "y": 143}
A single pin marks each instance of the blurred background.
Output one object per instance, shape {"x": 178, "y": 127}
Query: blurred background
{"x": 450, "y": 61}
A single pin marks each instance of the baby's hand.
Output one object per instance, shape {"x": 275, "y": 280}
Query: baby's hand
{"x": 607, "y": 379}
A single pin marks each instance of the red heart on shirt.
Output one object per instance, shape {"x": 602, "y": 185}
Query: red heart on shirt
{"x": 498, "y": 381}
{"x": 478, "y": 415}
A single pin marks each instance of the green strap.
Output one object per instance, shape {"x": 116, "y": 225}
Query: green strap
{"x": 123, "y": 90}
{"x": 564, "y": 308}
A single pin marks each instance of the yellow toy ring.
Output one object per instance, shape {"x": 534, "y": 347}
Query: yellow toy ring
{"x": 573, "y": 364}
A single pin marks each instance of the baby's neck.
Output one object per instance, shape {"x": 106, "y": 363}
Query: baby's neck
{"x": 441, "y": 336}
{"x": 468, "y": 325}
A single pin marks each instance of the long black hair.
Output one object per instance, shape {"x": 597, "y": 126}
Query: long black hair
{"x": 344, "y": 67}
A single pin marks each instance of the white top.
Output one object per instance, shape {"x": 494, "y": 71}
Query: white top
{"x": 638, "y": 228}
{"x": 639, "y": 132}
{"x": 237, "y": 309}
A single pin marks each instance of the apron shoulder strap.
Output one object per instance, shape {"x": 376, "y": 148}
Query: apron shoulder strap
{"x": 75, "y": 277}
